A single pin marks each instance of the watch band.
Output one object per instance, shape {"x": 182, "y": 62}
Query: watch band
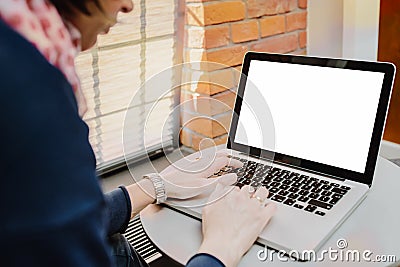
{"x": 159, "y": 187}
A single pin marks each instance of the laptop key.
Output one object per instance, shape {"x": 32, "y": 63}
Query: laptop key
{"x": 303, "y": 192}
{"x": 303, "y": 199}
{"x": 313, "y": 195}
{"x": 293, "y": 196}
{"x": 298, "y": 206}
{"x": 333, "y": 201}
{"x": 320, "y": 204}
{"x": 287, "y": 182}
{"x": 316, "y": 190}
{"x": 270, "y": 195}
{"x": 310, "y": 208}
{"x": 320, "y": 213}
{"x": 284, "y": 187}
{"x": 294, "y": 189}
{"x": 275, "y": 184}
{"x": 273, "y": 189}
{"x": 335, "y": 184}
{"x": 283, "y": 193}
{"x": 326, "y": 193}
{"x": 316, "y": 184}
{"x": 296, "y": 184}
{"x": 339, "y": 190}
{"x": 326, "y": 187}
{"x": 345, "y": 187}
{"x": 278, "y": 198}
{"x": 289, "y": 202}
{"x": 306, "y": 187}
{"x": 324, "y": 199}
{"x": 337, "y": 196}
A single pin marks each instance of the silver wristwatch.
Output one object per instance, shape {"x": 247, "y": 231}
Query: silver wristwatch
{"x": 159, "y": 187}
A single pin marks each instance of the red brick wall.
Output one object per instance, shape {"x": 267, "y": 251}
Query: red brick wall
{"x": 222, "y": 31}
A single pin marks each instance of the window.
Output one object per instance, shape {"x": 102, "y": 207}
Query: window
{"x": 142, "y": 43}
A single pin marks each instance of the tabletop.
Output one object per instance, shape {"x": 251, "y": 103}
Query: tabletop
{"x": 372, "y": 231}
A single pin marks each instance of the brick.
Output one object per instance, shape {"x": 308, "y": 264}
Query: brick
{"x": 289, "y": 5}
{"x": 258, "y": 8}
{"x": 207, "y": 126}
{"x": 215, "y": 12}
{"x": 216, "y": 36}
{"x": 302, "y": 4}
{"x": 279, "y": 44}
{"x": 209, "y": 37}
{"x": 220, "y": 12}
{"x": 186, "y": 137}
{"x": 196, "y": 123}
{"x": 302, "y": 52}
{"x": 221, "y": 140}
{"x": 208, "y": 82}
{"x": 272, "y": 25}
{"x": 219, "y": 58}
{"x": 303, "y": 39}
{"x": 207, "y": 105}
{"x": 198, "y": 1}
{"x": 195, "y": 14}
{"x": 230, "y": 56}
{"x": 201, "y": 142}
{"x": 227, "y": 99}
{"x": 244, "y": 31}
{"x": 296, "y": 21}
{"x": 195, "y": 37}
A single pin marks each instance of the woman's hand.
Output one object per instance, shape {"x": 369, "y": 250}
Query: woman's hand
{"x": 233, "y": 221}
{"x": 189, "y": 177}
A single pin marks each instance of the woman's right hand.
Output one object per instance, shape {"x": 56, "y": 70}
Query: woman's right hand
{"x": 232, "y": 223}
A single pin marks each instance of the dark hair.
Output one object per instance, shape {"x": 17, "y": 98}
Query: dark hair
{"x": 64, "y": 7}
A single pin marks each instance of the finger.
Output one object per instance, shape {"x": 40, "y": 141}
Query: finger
{"x": 220, "y": 190}
{"x": 227, "y": 179}
{"x": 247, "y": 190}
{"x": 223, "y": 153}
{"x": 222, "y": 162}
{"x": 261, "y": 192}
{"x": 269, "y": 211}
{"x": 228, "y": 153}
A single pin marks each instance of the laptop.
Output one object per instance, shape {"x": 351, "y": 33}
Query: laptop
{"x": 309, "y": 129}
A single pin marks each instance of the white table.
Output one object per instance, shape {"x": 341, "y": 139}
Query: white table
{"x": 374, "y": 226}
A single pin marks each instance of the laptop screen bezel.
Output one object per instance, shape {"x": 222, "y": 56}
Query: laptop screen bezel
{"x": 366, "y": 178}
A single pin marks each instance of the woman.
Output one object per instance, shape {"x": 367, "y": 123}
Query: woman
{"x": 53, "y": 210}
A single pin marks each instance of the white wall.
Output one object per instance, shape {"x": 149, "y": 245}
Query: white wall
{"x": 325, "y": 28}
{"x": 343, "y": 28}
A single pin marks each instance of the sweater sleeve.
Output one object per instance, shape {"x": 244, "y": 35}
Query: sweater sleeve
{"x": 204, "y": 260}
{"x": 118, "y": 210}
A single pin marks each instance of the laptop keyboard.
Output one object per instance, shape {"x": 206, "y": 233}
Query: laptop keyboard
{"x": 290, "y": 188}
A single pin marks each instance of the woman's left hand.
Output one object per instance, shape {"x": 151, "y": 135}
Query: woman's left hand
{"x": 189, "y": 177}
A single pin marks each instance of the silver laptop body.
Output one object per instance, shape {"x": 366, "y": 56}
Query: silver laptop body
{"x": 309, "y": 117}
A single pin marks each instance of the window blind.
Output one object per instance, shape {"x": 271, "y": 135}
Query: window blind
{"x": 140, "y": 45}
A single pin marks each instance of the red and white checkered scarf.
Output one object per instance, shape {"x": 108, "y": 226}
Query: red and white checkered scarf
{"x": 58, "y": 41}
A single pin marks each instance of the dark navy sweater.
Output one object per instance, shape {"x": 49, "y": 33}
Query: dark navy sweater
{"x": 53, "y": 212}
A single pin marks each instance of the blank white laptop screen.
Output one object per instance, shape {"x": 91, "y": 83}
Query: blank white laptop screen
{"x": 321, "y": 114}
